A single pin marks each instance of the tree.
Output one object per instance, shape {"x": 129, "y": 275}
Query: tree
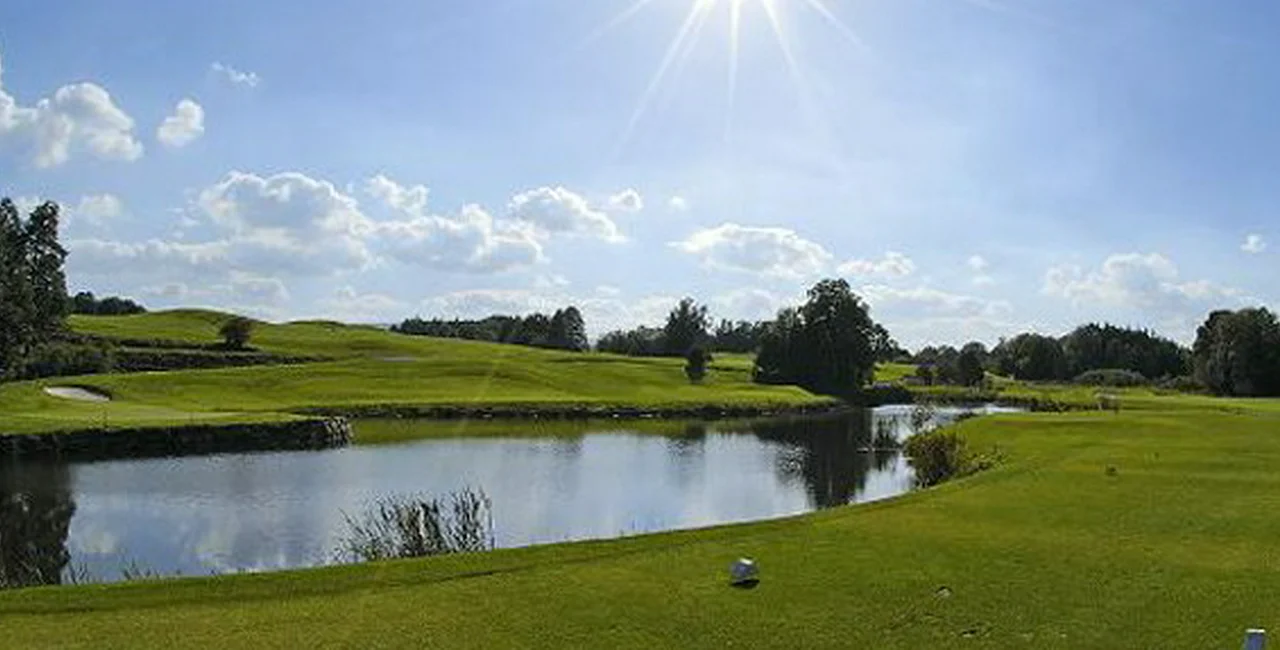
{"x": 884, "y": 347}
{"x": 236, "y": 332}
{"x": 826, "y": 345}
{"x": 1032, "y": 357}
{"x": 45, "y": 261}
{"x": 686, "y": 327}
{"x": 16, "y": 304}
{"x": 567, "y": 330}
{"x": 1238, "y": 353}
{"x": 969, "y": 366}
{"x": 695, "y": 367}
{"x": 1107, "y": 347}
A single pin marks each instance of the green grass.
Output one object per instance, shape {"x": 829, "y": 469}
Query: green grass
{"x": 369, "y": 367}
{"x": 1176, "y": 549}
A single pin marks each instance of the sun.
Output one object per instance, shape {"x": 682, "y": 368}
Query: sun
{"x": 734, "y": 12}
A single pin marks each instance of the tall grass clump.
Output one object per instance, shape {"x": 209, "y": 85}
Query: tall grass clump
{"x": 416, "y": 526}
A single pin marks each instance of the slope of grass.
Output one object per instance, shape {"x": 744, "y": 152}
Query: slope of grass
{"x": 1172, "y": 548}
{"x": 371, "y": 367}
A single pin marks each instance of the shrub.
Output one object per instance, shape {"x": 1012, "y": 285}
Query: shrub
{"x": 695, "y": 367}
{"x": 236, "y": 332}
{"x": 413, "y": 526}
{"x": 937, "y": 456}
{"x": 65, "y": 360}
{"x": 1111, "y": 377}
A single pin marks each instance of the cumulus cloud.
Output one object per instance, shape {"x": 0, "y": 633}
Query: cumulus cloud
{"x": 556, "y": 210}
{"x": 892, "y": 265}
{"x": 183, "y": 127}
{"x": 1135, "y": 280}
{"x": 98, "y": 207}
{"x": 978, "y": 263}
{"x": 678, "y": 204}
{"x": 932, "y": 301}
{"x": 411, "y": 200}
{"x": 1253, "y": 244}
{"x": 777, "y": 252}
{"x": 627, "y": 200}
{"x": 751, "y": 304}
{"x": 348, "y": 304}
{"x": 151, "y": 258}
{"x": 470, "y": 241}
{"x": 236, "y": 77}
{"x": 78, "y": 117}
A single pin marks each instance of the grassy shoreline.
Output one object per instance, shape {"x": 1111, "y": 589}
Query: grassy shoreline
{"x": 1052, "y": 548}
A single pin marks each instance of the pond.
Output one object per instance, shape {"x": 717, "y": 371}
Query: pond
{"x": 547, "y": 483}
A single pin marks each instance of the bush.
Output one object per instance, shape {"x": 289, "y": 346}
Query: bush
{"x": 1111, "y": 377}
{"x": 65, "y": 360}
{"x": 1182, "y": 384}
{"x": 695, "y": 367}
{"x": 236, "y": 332}
{"x": 936, "y": 456}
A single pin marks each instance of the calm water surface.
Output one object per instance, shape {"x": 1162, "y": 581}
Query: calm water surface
{"x": 252, "y": 512}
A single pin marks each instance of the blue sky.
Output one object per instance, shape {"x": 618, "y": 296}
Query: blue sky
{"x": 974, "y": 168}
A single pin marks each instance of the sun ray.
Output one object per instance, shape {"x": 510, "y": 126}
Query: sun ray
{"x": 839, "y": 25}
{"x": 697, "y": 15}
{"x": 735, "y": 44}
{"x": 614, "y": 23}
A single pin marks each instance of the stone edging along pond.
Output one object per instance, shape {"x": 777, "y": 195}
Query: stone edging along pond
{"x": 193, "y": 439}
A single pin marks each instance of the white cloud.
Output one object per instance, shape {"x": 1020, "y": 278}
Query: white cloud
{"x": 550, "y": 281}
{"x": 751, "y": 304}
{"x": 1133, "y": 280}
{"x": 257, "y": 290}
{"x": 1253, "y": 244}
{"x": 236, "y": 77}
{"x": 931, "y": 301}
{"x": 183, "y": 127}
{"x": 411, "y": 200}
{"x": 290, "y": 221}
{"x": 678, "y": 204}
{"x": 978, "y": 263}
{"x": 556, "y": 210}
{"x": 892, "y": 265}
{"x": 777, "y": 252}
{"x": 98, "y": 207}
{"x": 152, "y": 258}
{"x": 78, "y": 117}
{"x": 627, "y": 200}
{"x": 350, "y": 305}
{"x": 601, "y": 314}
{"x": 471, "y": 241}
{"x": 607, "y": 290}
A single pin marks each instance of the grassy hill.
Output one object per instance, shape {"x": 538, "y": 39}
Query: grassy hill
{"x": 1147, "y": 528}
{"x": 369, "y": 366}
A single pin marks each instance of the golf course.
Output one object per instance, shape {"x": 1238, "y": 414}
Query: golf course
{"x": 1148, "y": 526}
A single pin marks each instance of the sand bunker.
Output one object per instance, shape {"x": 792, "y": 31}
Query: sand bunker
{"x": 82, "y": 394}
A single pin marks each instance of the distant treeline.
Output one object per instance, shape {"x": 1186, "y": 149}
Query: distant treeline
{"x": 1080, "y": 354}
{"x": 688, "y": 325}
{"x": 86, "y": 303}
{"x": 563, "y": 330}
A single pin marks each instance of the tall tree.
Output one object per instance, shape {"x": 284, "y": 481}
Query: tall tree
{"x": 16, "y": 304}
{"x": 45, "y": 261}
{"x": 825, "y": 345}
{"x": 686, "y": 327}
{"x": 1238, "y": 353}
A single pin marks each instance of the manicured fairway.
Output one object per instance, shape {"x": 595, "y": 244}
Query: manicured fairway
{"x": 1178, "y": 546}
{"x": 368, "y": 367}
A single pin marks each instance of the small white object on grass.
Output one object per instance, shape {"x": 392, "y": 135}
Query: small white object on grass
{"x": 1255, "y": 639}
{"x": 743, "y": 571}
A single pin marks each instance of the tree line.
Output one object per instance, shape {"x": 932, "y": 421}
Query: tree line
{"x": 85, "y": 302}
{"x": 562, "y": 330}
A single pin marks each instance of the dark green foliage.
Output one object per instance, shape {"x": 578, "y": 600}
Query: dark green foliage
{"x": 1116, "y": 377}
{"x": 825, "y": 345}
{"x": 85, "y": 302}
{"x": 936, "y": 456}
{"x": 1032, "y": 357}
{"x": 236, "y": 332}
{"x": 884, "y": 347}
{"x": 563, "y": 330}
{"x": 969, "y": 364}
{"x": 61, "y": 359}
{"x": 639, "y": 342}
{"x": 1238, "y": 353}
{"x": 686, "y": 327}
{"x": 1096, "y": 347}
{"x": 741, "y": 336}
{"x": 34, "y": 523}
{"x": 695, "y": 367}
{"x": 33, "y": 294}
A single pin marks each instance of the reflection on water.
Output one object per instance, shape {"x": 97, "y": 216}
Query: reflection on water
{"x": 251, "y": 512}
